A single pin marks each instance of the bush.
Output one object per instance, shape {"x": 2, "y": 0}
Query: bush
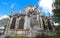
{"x": 57, "y": 28}
{"x": 42, "y": 36}
{"x": 7, "y": 36}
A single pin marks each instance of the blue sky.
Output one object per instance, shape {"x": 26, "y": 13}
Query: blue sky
{"x": 6, "y": 6}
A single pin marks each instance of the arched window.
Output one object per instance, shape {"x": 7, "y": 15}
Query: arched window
{"x": 21, "y": 24}
{"x": 13, "y": 23}
{"x": 34, "y": 17}
{"x": 43, "y": 24}
{"x": 49, "y": 25}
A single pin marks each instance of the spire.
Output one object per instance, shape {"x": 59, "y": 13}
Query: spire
{"x": 19, "y": 11}
{"x": 37, "y": 6}
{"x": 12, "y": 13}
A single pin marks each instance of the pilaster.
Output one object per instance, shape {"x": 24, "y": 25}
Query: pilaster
{"x": 41, "y": 22}
{"x": 26, "y": 22}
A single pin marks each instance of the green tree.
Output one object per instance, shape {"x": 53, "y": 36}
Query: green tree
{"x": 57, "y": 28}
{"x": 56, "y": 10}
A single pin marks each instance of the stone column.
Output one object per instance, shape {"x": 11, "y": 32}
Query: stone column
{"x": 26, "y": 22}
{"x": 11, "y": 21}
{"x": 16, "y": 24}
{"x": 11, "y": 17}
{"x": 9, "y": 31}
{"x": 38, "y": 16}
{"x": 41, "y": 22}
{"x": 38, "y": 19}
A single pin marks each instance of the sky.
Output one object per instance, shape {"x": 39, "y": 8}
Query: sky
{"x": 6, "y": 6}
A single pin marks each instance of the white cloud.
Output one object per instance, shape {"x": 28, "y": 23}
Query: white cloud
{"x": 46, "y": 5}
{"x": 56, "y": 24}
{"x": 4, "y": 16}
{"x": 12, "y": 6}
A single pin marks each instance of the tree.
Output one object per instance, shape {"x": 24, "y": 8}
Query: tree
{"x": 57, "y": 28}
{"x": 56, "y": 10}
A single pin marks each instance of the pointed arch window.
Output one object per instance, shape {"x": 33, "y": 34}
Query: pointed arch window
{"x": 21, "y": 24}
{"x": 43, "y": 24}
{"x": 49, "y": 25}
{"x": 13, "y": 23}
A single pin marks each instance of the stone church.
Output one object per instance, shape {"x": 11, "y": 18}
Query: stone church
{"x": 30, "y": 23}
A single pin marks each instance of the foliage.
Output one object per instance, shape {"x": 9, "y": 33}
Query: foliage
{"x": 7, "y": 36}
{"x": 42, "y": 36}
{"x": 57, "y": 28}
{"x": 56, "y": 10}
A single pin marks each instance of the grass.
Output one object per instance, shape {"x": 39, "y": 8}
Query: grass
{"x": 55, "y": 36}
{"x": 19, "y": 37}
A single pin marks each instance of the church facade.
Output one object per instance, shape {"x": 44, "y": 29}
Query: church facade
{"x": 30, "y": 23}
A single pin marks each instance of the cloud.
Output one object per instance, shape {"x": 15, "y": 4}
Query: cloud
{"x": 46, "y": 5}
{"x": 56, "y": 24}
{"x": 4, "y": 16}
{"x": 12, "y": 6}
